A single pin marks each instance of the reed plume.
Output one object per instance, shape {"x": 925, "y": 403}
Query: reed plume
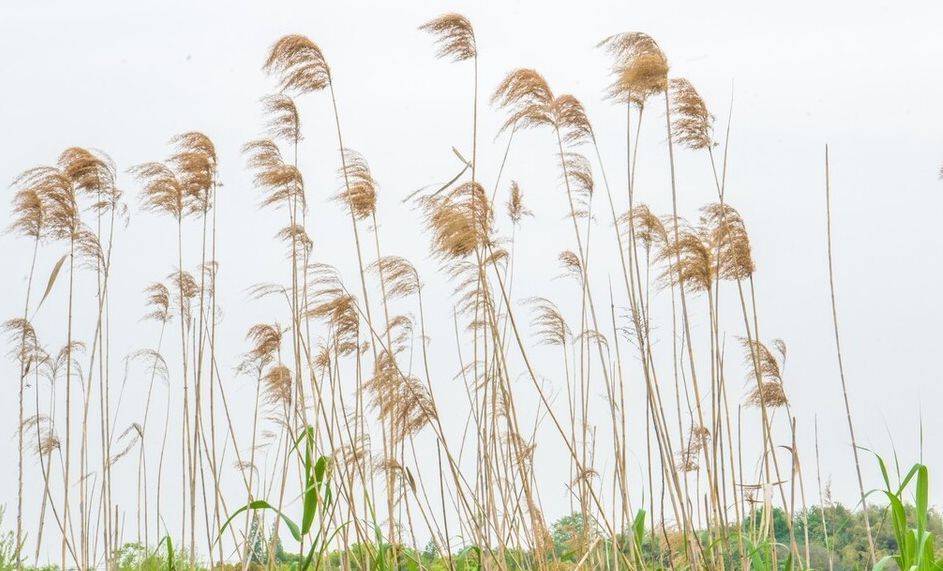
{"x": 399, "y": 332}
{"x": 688, "y": 258}
{"x": 460, "y": 220}
{"x": 25, "y": 344}
{"x": 29, "y": 213}
{"x": 195, "y": 164}
{"x": 265, "y": 342}
{"x": 299, "y": 63}
{"x": 278, "y": 385}
{"x": 281, "y": 183}
{"x": 131, "y": 436}
{"x": 578, "y": 175}
{"x": 283, "y": 121}
{"x": 527, "y": 98}
{"x": 161, "y": 191}
{"x": 158, "y": 300}
{"x": 529, "y": 102}
{"x": 454, "y": 36}
{"x": 771, "y": 384}
{"x": 515, "y": 205}
{"x": 359, "y": 192}
{"x": 727, "y": 232}
{"x": 399, "y": 276}
{"x": 402, "y": 402}
{"x": 187, "y": 289}
{"x": 648, "y": 228}
{"x": 93, "y": 174}
{"x": 329, "y": 301}
{"x": 56, "y": 193}
{"x": 548, "y": 322}
{"x": 572, "y": 265}
{"x": 718, "y": 246}
{"x": 640, "y": 67}
{"x": 691, "y": 122}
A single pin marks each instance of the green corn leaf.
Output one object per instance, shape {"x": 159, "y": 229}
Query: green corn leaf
{"x": 263, "y": 505}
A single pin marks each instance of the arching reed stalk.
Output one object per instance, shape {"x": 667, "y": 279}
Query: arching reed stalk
{"x": 301, "y": 68}
{"x": 166, "y": 191}
{"x": 93, "y": 175}
{"x": 841, "y": 368}
{"x": 29, "y": 222}
{"x": 638, "y": 69}
{"x": 55, "y": 189}
{"x": 530, "y": 103}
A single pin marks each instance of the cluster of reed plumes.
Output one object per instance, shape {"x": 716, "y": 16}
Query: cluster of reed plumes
{"x": 336, "y": 359}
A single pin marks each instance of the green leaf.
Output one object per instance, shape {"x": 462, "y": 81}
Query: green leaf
{"x": 639, "y": 527}
{"x": 263, "y": 505}
{"x": 171, "y": 563}
{"x": 310, "y": 506}
{"x": 882, "y": 564}
{"x": 327, "y": 541}
{"x": 320, "y": 468}
{"x": 312, "y": 489}
{"x": 923, "y": 494}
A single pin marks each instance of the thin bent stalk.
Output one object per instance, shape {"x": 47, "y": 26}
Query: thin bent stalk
{"x": 841, "y": 368}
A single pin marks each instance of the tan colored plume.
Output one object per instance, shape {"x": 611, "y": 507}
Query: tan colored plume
{"x": 299, "y": 64}
{"x": 359, "y": 192}
{"x": 639, "y": 66}
{"x": 691, "y": 122}
{"x": 453, "y": 35}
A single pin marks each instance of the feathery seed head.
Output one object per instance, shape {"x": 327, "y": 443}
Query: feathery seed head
{"x": 399, "y": 276}
{"x": 299, "y": 64}
{"x": 454, "y": 36}
{"x": 460, "y": 220}
{"x": 162, "y": 190}
{"x": 516, "y": 209}
{"x": 525, "y": 95}
{"x": 728, "y": 234}
{"x": 59, "y": 214}
{"x": 195, "y": 165}
{"x": 639, "y": 66}
{"x": 92, "y": 173}
{"x": 548, "y": 322}
{"x": 283, "y": 121}
{"x": 29, "y": 214}
{"x": 691, "y": 123}
{"x": 647, "y": 228}
{"x": 158, "y": 300}
{"x": 278, "y": 385}
{"x": 265, "y": 341}
{"x": 570, "y": 117}
{"x": 571, "y": 265}
{"x": 689, "y": 258}
{"x": 280, "y": 183}
{"x": 359, "y": 192}
{"x": 402, "y": 402}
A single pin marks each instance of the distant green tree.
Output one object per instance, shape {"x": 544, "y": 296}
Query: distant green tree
{"x": 257, "y": 552}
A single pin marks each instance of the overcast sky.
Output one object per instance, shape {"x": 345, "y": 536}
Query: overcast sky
{"x": 864, "y": 77}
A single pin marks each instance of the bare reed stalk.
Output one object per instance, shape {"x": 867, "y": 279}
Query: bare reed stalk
{"x": 686, "y": 321}
{"x": 29, "y": 222}
{"x": 841, "y": 368}
{"x": 822, "y": 499}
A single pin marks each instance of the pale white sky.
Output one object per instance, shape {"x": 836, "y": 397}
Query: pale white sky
{"x": 864, "y": 77}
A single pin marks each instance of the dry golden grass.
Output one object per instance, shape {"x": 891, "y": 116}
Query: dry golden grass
{"x": 345, "y": 419}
